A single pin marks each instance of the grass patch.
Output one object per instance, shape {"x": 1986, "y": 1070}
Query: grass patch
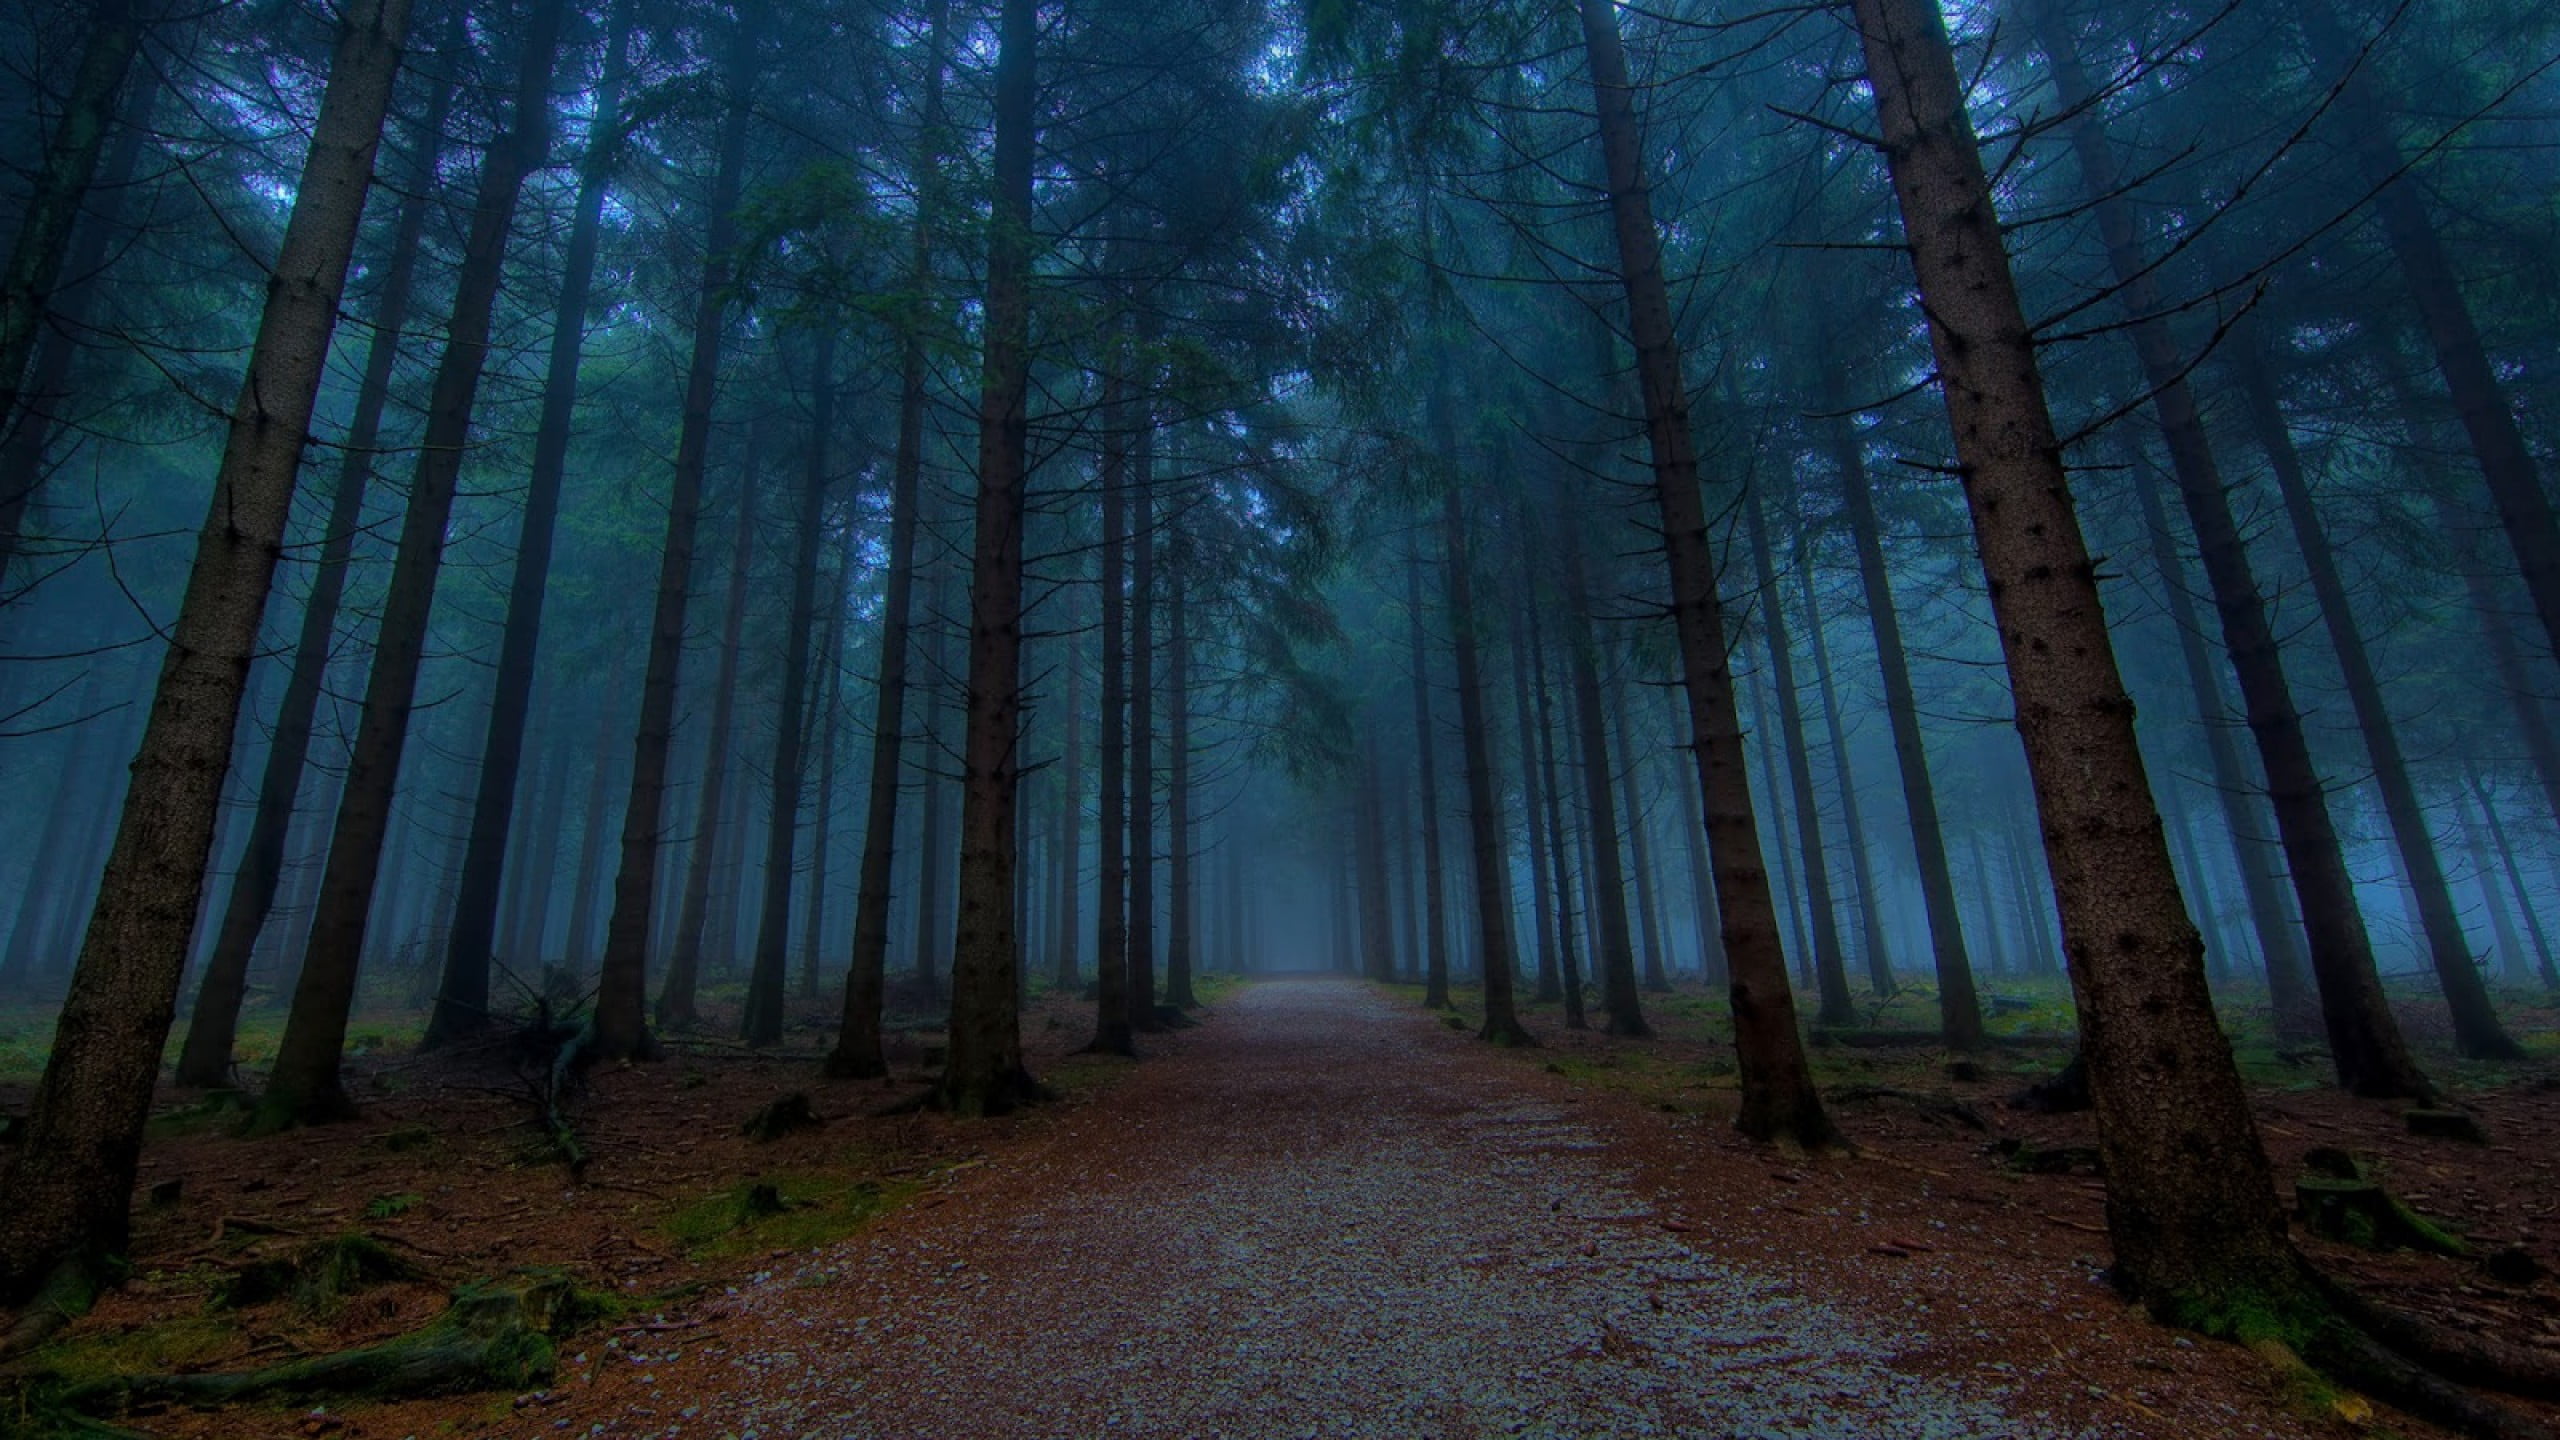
{"x": 783, "y": 1210}
{"x": 180, "y": 1343}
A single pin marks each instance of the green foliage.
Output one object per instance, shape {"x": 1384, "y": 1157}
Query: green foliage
{"x": 783, "y": 1210}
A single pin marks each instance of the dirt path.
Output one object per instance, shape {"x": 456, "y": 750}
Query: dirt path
{"x": 1319, "y": 1215}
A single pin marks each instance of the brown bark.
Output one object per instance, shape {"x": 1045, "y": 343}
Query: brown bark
{"x": 622, "y": 1031}
{"x": 1112, "y": 1028}
{"x": 1830, "y": 965}
{"x": 1069, "y": 861}
{"x": 1499, "y": 961}
{"x": 1559, "y": 861}
{"x": 1959, "y": 1013}
{"x": 1550, "y": 986}
{"x": 715, "y": 830}
{"x": 2191, "y": 1205}
{"x": 2476, "y": 1031}
{"x": 1871, "y": 942}
{"x": 1613, "y": 956}
{"x": 2364, "y": 1039}
{"x": 1182, "y": 935}
{"x": 1435, "y": 914}
{"x": 857, "y": 1051}
{"x": 1778, "y": 1099}
{"x": 462, "y": 999}
{"x": 65, "y": 1191}
{"x": 985, "y": 1073}
{"x": 1142, "y": 722}
{"x": 303, "y": 1087}
{"x": 205, "y": 1058}
{"x": 1639, "y": 838}
{"x": 52, "y": 207}
{"x": 761, "y": 1022}
{"x": 826, "y": 712}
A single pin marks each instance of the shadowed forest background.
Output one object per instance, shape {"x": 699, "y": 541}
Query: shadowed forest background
{"x": 1970, "y": 583}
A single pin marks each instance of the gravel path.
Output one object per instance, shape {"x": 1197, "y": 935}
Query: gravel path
{"x": 1317, "y": 1218}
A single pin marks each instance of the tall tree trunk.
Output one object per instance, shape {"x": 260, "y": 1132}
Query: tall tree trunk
{"x": 622, "y": 1030}
{"x": 1180, "y": 942}
{"x": 1541, "y": 878}
{"x": 2488, "y": 417}
{"x": 1142, "y": 721}
{"x": 2191, "y": 1205}
{"x": 57, "y": 854}
{"x": 761, "y": 1022}
{"x": 1435, "y": 914}
{"x": 1959, "y": 1013}
{"x": 462, "y": 1000}
{"x": 1614, "y": 958}
{"x": 541, "y": 869}
{"x": 2515, "y": 879}
{"x": 1369, "y": 841}
{"x": 303, "y": 1087}
{"x": 1112, "y": 1028}
{"x": 1778, "y": 1099}
{"x": 716, "y": 831}
{"x": 828, "y": 707}
{"x": 985, "y": 1072}
{"x": 52, "y": 207}
{"x": 1788, "y": 897}
{"x": 2510, "y": 944}
{"x": 2364, "y": 1040}
{"x": 1639, "y": 836}
{"x": 205, "y": 1058}
{"x": 28, "y": 427}
{"x": 65, "y": 1190}
{"x": 2260, "y": 866}
{"x": 1499, "y": 960}
{"x": 1871, "y": 943}
{"x": 1559, "y": 861}
{"x": 932, "y": 846}
{"x": 1830, "y": 966}
{"x": 1069, "y": 862}
{"x": 1712, "y": 970}
{"x": 2476, "y": 1031}
{"x": 857, "y": 1053}
{"x": 591, "y": 831}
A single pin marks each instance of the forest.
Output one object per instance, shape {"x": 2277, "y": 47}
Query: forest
{"x": 1279, "y": 717}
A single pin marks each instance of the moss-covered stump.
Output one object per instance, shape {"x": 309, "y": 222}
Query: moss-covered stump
{"x": 2355, "y": 1209}
{"x": 318, "y": 1275}
{"x": 496, "y": 1335}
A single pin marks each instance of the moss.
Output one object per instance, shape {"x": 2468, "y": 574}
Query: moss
{"x": 185, "y": 1342}
{"x": 797, "y": 1210}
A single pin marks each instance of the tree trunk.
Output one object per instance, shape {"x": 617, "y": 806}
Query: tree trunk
{"x": 1788, "y": 897}
{"x": 2488, "y": 418}
{"x": 2364, "y": 1039}
{"x": 52, "y": 206}
{"x": 2476, "y": 1031}
{"x": 1499, "y": 961}
{"x": 622, "y": 1031}
{"x": 66, "y": 1188}
{"x": 716, "y": 830}
{"x": 1639, "y": 836}
{"x": 1959, "y": 1013}
{"x": 1830, "y": 966}
{"x": 2191, "y": 1205}
{"x": 30, "y": 424}
{"x": 591, "y": 832}
{"x": 303, "y": 1087}
{"x": 1180, "y": 942}
{"x": 1142, "y": 721}
{"x": 205, "y": 1058}
{"x": 1369, "y": 842}
{"x": 1871, "y": 942}
{"x": 1614, "y": 958}
{"x": 1558, "y": 842}
{"x": 985, "y": 1072}
{"x": 2261, "y": 867}
{"x": 462, "y": 1000}
{"x": 1069, "y": 862}
{"x": 828, "y": 708}
{"x": 58, "y": 853}
{"x": 931, "y": 846}
{"x": 2515, "y": 880}
{"x": 857, "y": 1053}
{"x": 1778, "y": 1099}
{"x": 1435, "y": 914}
{"x": 1112, "y": 1028}
{"x": 541, "y": 869}
{"x": 1541, "y": 879}
{"x": 762, "y": 1020}
{"x": 1712, "y": 970}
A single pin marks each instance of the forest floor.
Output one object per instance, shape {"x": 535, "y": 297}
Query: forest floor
{"x": 1321, "y": 1212}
